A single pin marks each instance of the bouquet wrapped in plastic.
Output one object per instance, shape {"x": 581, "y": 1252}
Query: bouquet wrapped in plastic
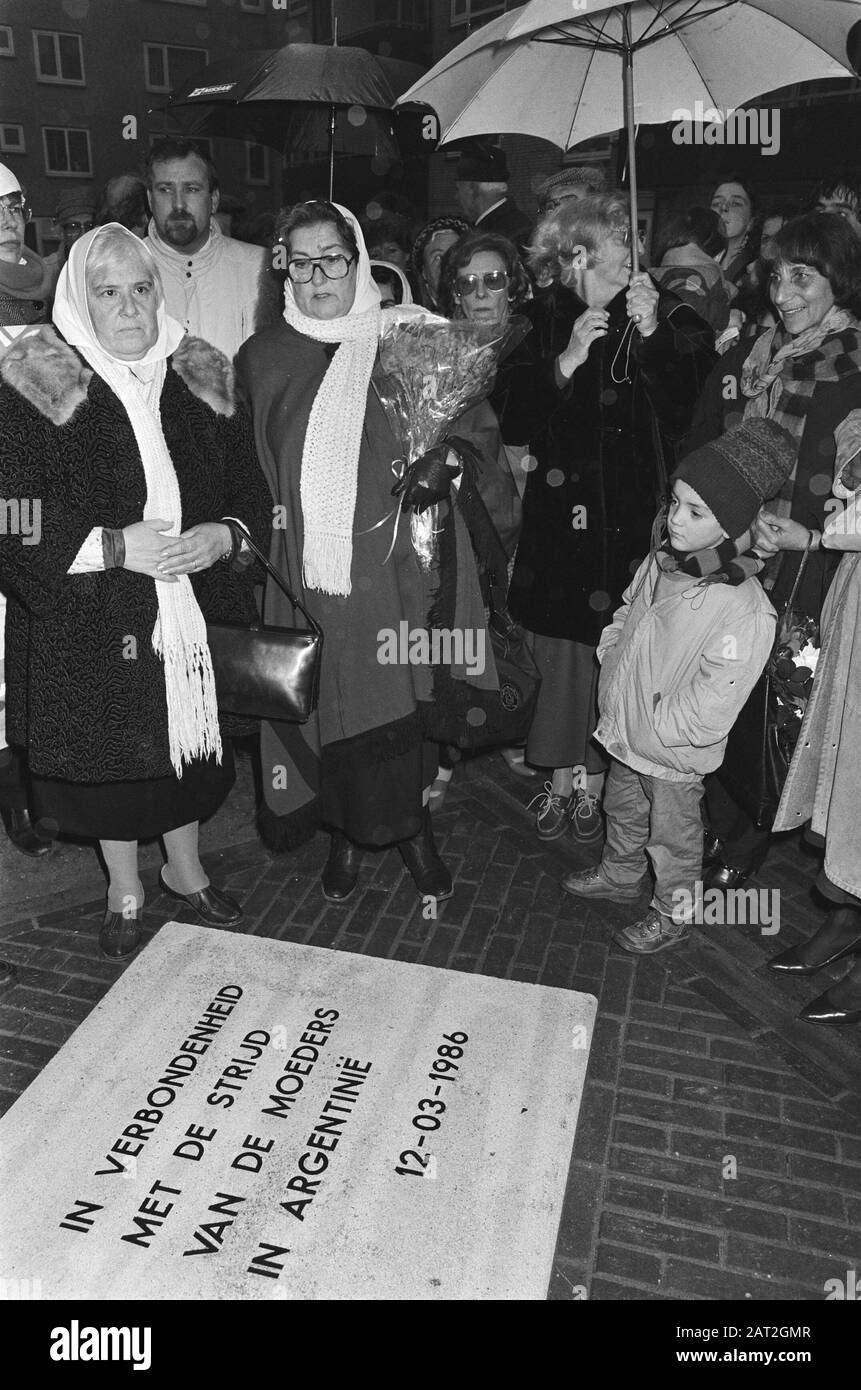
{"x": 432, "y": 369}
{"x": 793, "y": 667}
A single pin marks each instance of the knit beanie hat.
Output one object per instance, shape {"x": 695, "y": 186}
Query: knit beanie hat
{"x": 740, "y": 470}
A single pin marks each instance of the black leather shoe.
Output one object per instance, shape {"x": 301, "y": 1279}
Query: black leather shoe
{"x": 214, "y": 908}
{"x": 421, "y": 857}
{"x": 341, "y": 873}
{"x": 23, "y": 834}
{"x": 826, "y": 1010}
{"x": 788, "y": 962}
{"x": 120, "y": 935}
{"x": 723, "y": 877}
{"x": 712, "y": 850}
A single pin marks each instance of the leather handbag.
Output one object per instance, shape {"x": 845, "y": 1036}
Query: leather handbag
{"x": 263, "y": 671}
{"x": 761, "y": 743}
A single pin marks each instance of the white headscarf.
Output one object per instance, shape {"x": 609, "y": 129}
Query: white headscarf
{"x": 406, "y": 291}
{"x": 330, "y": 455}
{"x": 179, "y": 636}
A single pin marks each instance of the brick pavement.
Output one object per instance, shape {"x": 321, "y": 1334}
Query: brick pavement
{"x": 697, "y": 1062}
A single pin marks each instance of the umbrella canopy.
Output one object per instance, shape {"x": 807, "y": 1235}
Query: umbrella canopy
{"x": 539, "y": 70}
{"x": 552, "y": 70}
{"x": 252, "y": 97}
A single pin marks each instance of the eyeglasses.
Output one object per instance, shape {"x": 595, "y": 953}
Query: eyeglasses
{"x": 334, "y": 267}
{"x": 494, "y": 281}
{"x": 77, "y": 227}
{"x": 551, "y": 204}
{"x": 13, "y": 207}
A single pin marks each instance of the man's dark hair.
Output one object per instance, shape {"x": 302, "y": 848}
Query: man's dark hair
{"x": 844, "y": 185}
{"x": 312, "y": 215}
{"x": 176, "y": 147}
{"x": 391, "y": 229}
{"x": 825, "y": 241}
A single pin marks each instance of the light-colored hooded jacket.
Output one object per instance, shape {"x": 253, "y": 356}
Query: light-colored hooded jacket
{"x": 678, "y": 662}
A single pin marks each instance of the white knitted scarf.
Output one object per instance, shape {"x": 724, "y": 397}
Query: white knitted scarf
{"x": 330, "y": 455}
{"x": 179, "y": 636}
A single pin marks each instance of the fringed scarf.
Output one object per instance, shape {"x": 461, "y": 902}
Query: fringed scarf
{"x": 330, "y": 455}
{"x": 729, "y": 562}
{"x": 179, "y": 636}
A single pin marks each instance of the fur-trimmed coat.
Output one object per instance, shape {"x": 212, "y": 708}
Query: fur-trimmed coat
{"x": 86, "y": 691}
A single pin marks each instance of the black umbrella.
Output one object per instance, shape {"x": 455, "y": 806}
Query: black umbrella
{"x": 246, "y": 97}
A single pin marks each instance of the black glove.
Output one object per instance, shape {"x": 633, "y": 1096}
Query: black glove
{"x": 428, "y": 480}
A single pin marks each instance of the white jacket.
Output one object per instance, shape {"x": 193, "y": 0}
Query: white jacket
{"x": 678, "y": 662}
{"x": 214, "y": 293}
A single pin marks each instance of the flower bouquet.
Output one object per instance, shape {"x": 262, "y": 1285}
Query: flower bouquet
{"x": 792, "y": 668}
{"x": 431, "y": 369}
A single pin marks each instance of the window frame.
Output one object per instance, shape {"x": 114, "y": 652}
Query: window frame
{"x": 68, "y": 173}
{"x": 165, "y": 48}
{"x": 10, "y": 51}
{"x": 12, "y": 149}
{"x": 473, "y": 10}
{"x": 253, "y": 6}
{"x": 56, "y": 35}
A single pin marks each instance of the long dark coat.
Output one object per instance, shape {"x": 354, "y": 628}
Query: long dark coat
{"x": 592, "y": 496}
{"x": 86, "y": 691}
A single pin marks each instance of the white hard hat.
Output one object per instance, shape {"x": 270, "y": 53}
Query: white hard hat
{"x": 8, "y": 182}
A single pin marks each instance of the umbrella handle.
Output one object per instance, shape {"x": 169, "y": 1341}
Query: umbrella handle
{"x": 628, "y": 97}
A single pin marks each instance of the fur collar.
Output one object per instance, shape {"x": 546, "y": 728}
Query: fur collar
{"x": 49, "y": 374}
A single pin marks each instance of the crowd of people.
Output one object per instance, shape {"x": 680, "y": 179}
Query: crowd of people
{"x": 665, "y": 463}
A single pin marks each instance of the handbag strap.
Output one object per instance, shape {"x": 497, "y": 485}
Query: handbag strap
{"x": 789, "y": 602}
{"x": 242, "y": 531}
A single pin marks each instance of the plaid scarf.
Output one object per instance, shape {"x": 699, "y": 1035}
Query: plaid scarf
{"x": 728, "y": 563}
{"x": 780, "y": 376}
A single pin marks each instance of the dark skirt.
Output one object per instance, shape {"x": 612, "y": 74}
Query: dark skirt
{"x": 134, "y": 810}
{"x": 376, "y": 803}
{"x": 566, "y": 715}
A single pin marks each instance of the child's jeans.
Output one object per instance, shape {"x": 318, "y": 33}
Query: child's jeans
{"x": 648, "y": 814}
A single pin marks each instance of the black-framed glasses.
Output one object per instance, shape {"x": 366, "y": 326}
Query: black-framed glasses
{"x": 334, "y": 266}
{"x": 13, "y": 206}
{"x": 551, "y": 204}
{"x": 494, "y": 281}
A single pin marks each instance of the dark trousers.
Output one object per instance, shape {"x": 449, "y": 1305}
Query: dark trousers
{"x": 13, "y": 792}
{"x": 745, "y": 847}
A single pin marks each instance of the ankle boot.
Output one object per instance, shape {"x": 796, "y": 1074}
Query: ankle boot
{"x": 341, "y": 873}
{"x": 430, "y": 874}
{"x": 23, "y": 833}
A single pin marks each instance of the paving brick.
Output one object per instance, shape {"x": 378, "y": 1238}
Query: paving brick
{"x": 26, "y": 1051}
{"x": 750, "y": 1157}
{"x": 52, "y": 1005}
{"x": 608, "y": 1290}
{"x": 649, "y": 981}
{"x": 605, "y": 1051}
{"x": 665, "y": 1170}
{"x": 618, "y": 981}
{"x": 820, "y": 1171}
{"x": 477, "y": 933}
{"x": 440, "y": 948}
{"x": 77, "y": 987}
{"x": 805, "y": 1112}
{"x": 676, "y": 1063}
{"x": 567, "y": 1284}
{"x": 685, "y": 1279}
{"x": 53, "y": 1031}
{"x": 833, "y": 1239}
{"x": 634, "y": 1266}
{"x": 668, "y": 1112}
{"x": 638, "y": 1079}
{"x": 787, "y": 1196}
{"x": 579, "y": 1214}
{"x": 594, "y": 1124}
{"x": 619, "y": 1192}
{"x": 780, "y": 1133}
{"x": 641, "y": 1136}
{"x": 850, "y": 1150}
{"x": 659, "y": 1236}
{"x": 7, "y": 1100}
{"x": 726, "y": 1097}
{"x": 559, "y": 967}
{"x": 672, "y": 1039}
{"x": 12, "y": 1020}
{"x": 16, "y": 1076}
{"x": 779, "y": 1262}
{"x": 499, "y": 955}
{"x": 698, "y": 1210}
{"x": 726, "y": 1005}
{"x": 761, "y": 1079}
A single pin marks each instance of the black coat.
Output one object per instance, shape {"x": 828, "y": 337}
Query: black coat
{"x": 508, "y": 220}
{"x": 601, "y": 462}
{"x": 85, "y": 690}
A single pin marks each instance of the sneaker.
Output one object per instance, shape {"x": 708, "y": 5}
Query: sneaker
{"x": 586, "y": 823}
{"x": 551, "y": 818}
{"x": 591, "y": 883}
{"x": 652, "y": 933}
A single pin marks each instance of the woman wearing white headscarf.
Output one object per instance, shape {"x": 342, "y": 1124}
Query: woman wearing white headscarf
{"x": 128, "y": 435}
{"x": 361, "y": 767}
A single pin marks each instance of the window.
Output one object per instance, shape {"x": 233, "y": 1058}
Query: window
{"x": 256, "y": 163}
{"x": 167, "y": 68}
{"x": 59, "y": 57}
{"x": 12, "y": 139}
{"x": 67, "y": 151}
{"x": 200, "y": 3}
{"x": 7, "y": 43}
{"x": 465, "y": 11}
{"x": 254, "y": 6}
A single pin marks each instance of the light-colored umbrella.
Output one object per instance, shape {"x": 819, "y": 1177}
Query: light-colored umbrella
{"x": 567, "y": 70}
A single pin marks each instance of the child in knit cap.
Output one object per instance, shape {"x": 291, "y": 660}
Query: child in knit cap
{"x": 678, "y": 662}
